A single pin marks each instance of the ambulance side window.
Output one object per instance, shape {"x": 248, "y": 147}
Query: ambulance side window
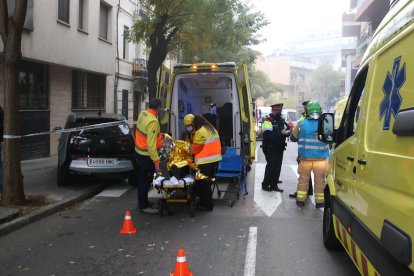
{"x": 351, "y": 113}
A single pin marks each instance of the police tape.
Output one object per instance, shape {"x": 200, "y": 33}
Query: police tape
{"x": 101, "y": 125}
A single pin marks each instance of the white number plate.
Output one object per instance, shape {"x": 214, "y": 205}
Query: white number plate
{"x": 102, "y": 162}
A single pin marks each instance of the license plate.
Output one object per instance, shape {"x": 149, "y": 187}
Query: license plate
{"x": 102, "y": 162}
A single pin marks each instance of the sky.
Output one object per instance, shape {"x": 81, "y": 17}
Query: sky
{"x": 289, "y": 19}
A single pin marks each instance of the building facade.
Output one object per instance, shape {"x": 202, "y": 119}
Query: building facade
{"x": 358, "y": 27}
{"x": 67, "y": 66}
{"x": 131, "y": 75}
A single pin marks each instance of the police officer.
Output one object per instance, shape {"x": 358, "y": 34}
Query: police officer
{"x": 312, "y": 155}
{"x": 275, "y": 131}
{"x": 303, "y": 117}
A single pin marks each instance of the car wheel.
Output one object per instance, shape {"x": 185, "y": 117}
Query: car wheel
{"x": 329, "y": 239}
{"x": 62, "y": 177}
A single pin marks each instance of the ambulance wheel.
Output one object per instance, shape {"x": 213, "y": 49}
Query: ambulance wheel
{"x": 329, "y": 239}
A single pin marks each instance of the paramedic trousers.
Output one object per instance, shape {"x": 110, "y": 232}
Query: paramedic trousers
{"x": 319, "y": 168}
{"x": 204, "y": 186}
{"x": 146, "y": 170}
{"x": 274, "y": 158}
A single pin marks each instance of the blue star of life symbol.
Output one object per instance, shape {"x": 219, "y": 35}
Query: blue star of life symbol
{"x": 391, "y": 102}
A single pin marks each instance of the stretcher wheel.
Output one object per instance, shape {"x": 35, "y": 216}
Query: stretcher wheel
{"x": 231, "y": 203}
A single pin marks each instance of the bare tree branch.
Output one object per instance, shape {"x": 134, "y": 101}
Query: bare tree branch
{"x": 3, "y": 19}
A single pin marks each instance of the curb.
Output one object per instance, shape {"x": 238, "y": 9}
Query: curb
{"x": 51, "y": 209}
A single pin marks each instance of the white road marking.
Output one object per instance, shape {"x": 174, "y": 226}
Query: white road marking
{"x": 115, "y": 191}
{"x": 267, "y": 201}
{"x": 250, "y": 263}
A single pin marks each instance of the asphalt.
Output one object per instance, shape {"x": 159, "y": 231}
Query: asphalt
{"x": 39, "y": 181}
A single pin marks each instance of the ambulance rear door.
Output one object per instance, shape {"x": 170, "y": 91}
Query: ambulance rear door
{"x": 164, "y": 93}
{"x": 247, "y": 134}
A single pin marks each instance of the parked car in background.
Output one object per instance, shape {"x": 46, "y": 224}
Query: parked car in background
{"x": 97, "y": 151}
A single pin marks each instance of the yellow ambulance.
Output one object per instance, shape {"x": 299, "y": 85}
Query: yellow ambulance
{"x": 369, "y": 197}
{"x": 218, "y": 91}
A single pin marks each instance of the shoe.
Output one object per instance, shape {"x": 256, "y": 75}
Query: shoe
{"x": 276, "y": 189}
{"x": 149, "y": 210}
{"x": 319, "y": 205}
{"x": 293, "y": 195}
{"x": 266, "y": 188}
{"x": 300, "y": 203}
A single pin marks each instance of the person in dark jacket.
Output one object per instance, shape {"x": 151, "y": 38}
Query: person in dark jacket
{"x": 273, "y": 145}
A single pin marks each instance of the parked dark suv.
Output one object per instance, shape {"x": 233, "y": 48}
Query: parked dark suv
{"x": 98, "y": 151}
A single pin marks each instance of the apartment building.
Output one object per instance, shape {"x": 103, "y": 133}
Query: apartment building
{"x": 68, "y": 66}
{"x": 358, "y": 27}
{"x": 131, "y": 75}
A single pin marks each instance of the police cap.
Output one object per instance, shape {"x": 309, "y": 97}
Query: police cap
{"x": 277, "y": 106}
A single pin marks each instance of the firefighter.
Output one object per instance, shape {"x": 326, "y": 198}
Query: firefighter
{"x": 312, "y": 156}
{"x": 147, "y": 140}
{"x": 303, "y": 117}
{"x": 206, "y": 148}
{"x": 275, "y": 131}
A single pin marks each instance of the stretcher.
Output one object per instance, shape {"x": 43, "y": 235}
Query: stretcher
{"x": 176, "y": 190}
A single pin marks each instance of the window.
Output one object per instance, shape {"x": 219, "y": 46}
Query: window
{"x": 125, "y": 44}
{"x": 28, "y": 22}
{"x": 88, "y": 90}
{"x": 104, "y": 21}
{"x": 63, "y": 10}
{"x": 83, "y": 15}
{"x": 351, "y": 113}
{"x": 33, "y": 86}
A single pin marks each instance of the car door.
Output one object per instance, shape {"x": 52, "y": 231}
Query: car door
{"x": 248, "y": 135}
{"x": 345, "y": 159}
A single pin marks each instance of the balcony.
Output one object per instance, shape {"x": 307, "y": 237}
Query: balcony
{"x": 140, "y": 68}
{"x": 350, "y": 28}
{"x": 371, "y": 11}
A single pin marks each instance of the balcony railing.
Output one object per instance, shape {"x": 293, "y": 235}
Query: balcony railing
{"x": 140, "y": 67}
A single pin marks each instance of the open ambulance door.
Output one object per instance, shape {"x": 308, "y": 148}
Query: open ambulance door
{"x": 248, "y": 136}
{"x": 164, "y": 94}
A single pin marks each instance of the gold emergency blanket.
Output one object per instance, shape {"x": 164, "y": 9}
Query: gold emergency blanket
{"x": 178, "y": 153}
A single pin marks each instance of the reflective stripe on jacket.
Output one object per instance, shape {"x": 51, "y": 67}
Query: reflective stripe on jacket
{"x": 206, "y": 146}
{"x": 267, "y": 125}
{"x": 147, "y": 135}
{"x": 308, "y": 145}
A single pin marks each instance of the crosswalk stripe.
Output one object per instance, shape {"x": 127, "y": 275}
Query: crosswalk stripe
{"x": 115, "y": 190}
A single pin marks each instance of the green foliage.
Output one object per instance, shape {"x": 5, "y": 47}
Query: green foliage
{"x": 202, "y": 30}
{"x": 262, "y": 86}
{"x": 327, "y": 81}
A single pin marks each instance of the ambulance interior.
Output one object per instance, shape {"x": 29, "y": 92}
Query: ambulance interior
{"x": 197, "y": 93}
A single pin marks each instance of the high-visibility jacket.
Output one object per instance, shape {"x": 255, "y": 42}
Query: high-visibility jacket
{"x": 206, "y": 146}
{"x": 147, "y": 135}
{"x": 308, "y": 145}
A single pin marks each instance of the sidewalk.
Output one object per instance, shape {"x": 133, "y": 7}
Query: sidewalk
{"x": 39, "y": 178}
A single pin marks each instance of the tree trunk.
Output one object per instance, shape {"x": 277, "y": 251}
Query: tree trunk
{"x": 11, "y": 29}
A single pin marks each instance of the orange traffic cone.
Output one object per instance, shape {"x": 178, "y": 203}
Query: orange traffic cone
{"x": 128, "y": 227}
{"x": 181, "y": 266}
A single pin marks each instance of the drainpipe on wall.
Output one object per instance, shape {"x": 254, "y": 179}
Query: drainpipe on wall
{"x": 116, "y": 81}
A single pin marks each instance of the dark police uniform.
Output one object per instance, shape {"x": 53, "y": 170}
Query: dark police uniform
{"x": 273, "y": 145}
